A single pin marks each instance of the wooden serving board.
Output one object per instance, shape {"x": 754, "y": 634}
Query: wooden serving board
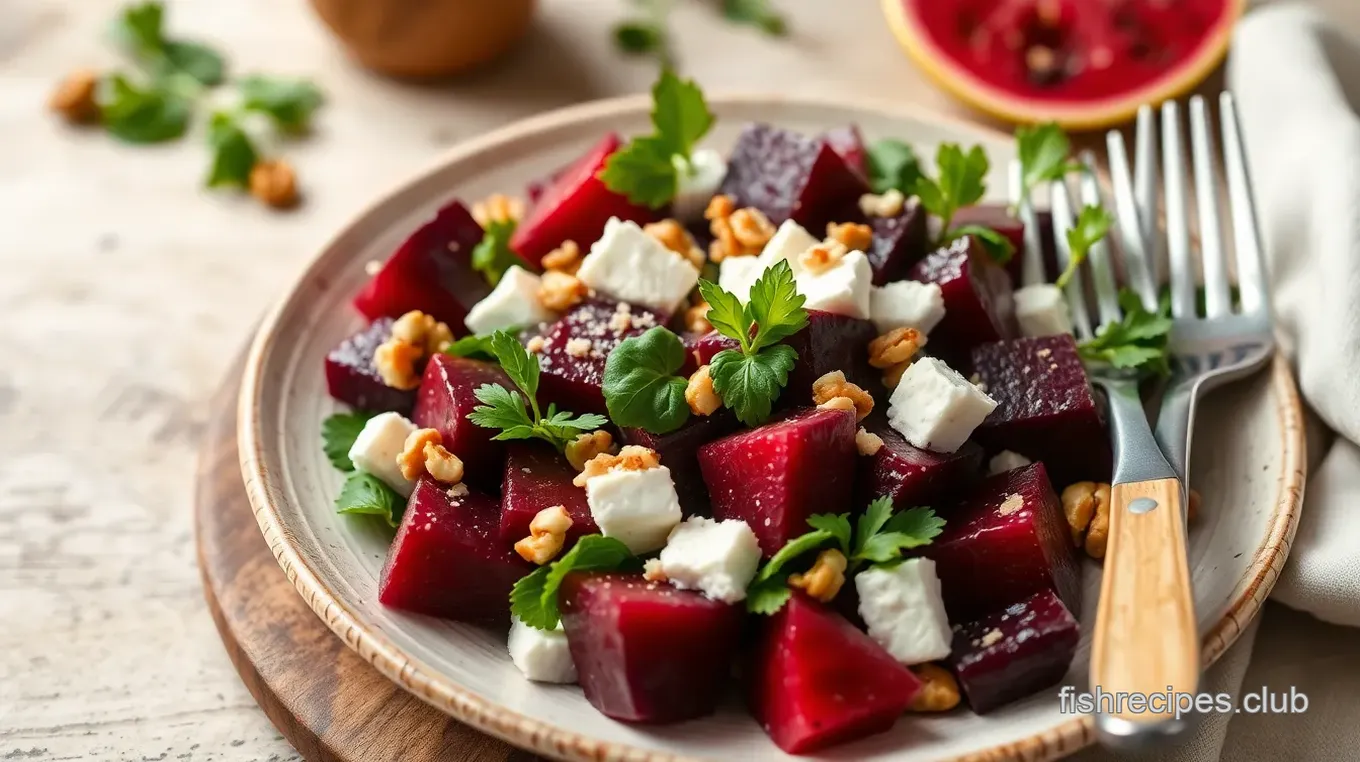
{"x": 329, "y": 703}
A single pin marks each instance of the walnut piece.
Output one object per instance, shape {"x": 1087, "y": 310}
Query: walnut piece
{"x": 673, "y": 236}
{"x": 421, "y": 330}
{"x": 497, "y": 207}
{"x": 547, "y": 534}
{"x": 412, "y": 458}
{"x": 565, "y": 258}
{"x": 896, "y": 346}
{"x": 586, "y": 446}
{"x": 559, "y": 291}
{"x": 855, "y": 236}
{"x": 395, "y": 361}
{"x": 939, "y": 689}
{"x": 833, "y": 385}
{"x": 74, "y": 97}
{"x": 1086, "y": 505}
{"x": 887, "y": 205}
{"x": 696, "y": 318}
{"x": 736, "y": 232}
{"x": 442, "y": 465}
{"x": 700, "y": 394}
{"x": 822, "y": 256}
{"x": 630, "y": 458}
{"x": 274, "y": 182}
{"x": 652, "y": 572}
{"x": 824, "y": 580}
{"x": 867, "y": 442}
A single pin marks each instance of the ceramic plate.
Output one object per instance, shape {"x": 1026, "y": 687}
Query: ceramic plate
{"x": 1249, "y": 467}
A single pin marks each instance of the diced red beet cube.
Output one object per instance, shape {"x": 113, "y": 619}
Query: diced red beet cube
{"x": 899, "y": 243}
{"x": 849, "y": 143}
{"x": 574, "y": 379}
{"x": 575, "y": 206}
{"x": 830, "y": 342}
{"x": 679, "y": 451}
{"x": 789, "y": 176}
{"x": 646, "y": 651}
{"x": 448, "y": 559}
{"x": 538, "y": 477}
{"x": 1046, "y": 409}
{"x": 352, "y": 378}
{"x": 998, "y": 217}
{"x": 443, "y": 404}
{"x": 912, "y": 476}
{"x": 1015, "y": 652}
{"x": 774, "y": 477}
{"x": 1006, "y": 541}
{"x": 817, "y": 681}
{"x": 977, "y": 299}
{"x": 431, "y": 271}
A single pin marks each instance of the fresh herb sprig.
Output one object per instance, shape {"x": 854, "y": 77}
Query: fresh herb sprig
{"x": 892, "y": 165}
{"x": 1137, "y": 342}
{"x": 140, "y": 31}
{"x": 492, "y": 255}
{"x": 505, "y": 410}
{"x": 961, "y": 181}
{"x": 474, "y": 346}
{"x": 649, "y": 32}
{"x": 1044, "y": 152}
{"x": 648, "y": 169}
{"x": 362, "y": 493}
{"x": 749, "y": 378}
{"x": 1092, "y": 225}
{"x": 641, "y": 385}
{"x": 533, "y": 599}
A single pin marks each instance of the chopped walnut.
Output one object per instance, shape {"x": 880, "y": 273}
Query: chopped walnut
{"x": 565, "y": 258}
{"x": 700, "y": 395}
{"x": 586, "y": 446}
{"x": 867, "y": 442}
{"x": 855, "y": 236}
{"x": 1086, "y": 506}
{"x": 559, "y": 291}
{"x": 74, "y": 97}
{"x": 896, "y": 346}
{"x": 547, "y": 534}
{"x": 274, "y": 182}
{"x": 535, "y": 344}
{"x": 652, "y": 572}
{"x": 673, "y": 236}
{"x": 421, "y": 330}
{"x": 630, "y": 458}
{"x": 736, "y": 232}
{"x": 939, "y": 690}
{"x": 893, "y": 376}
{"x": 887, "y": 205}
{"x": 752, "y": 228}
{"x": 395, "y": 361}
{"x": 838, "y": 403}
{"x": 696, "y": 318}
{"x": 442, "y": 465}
{"x": 412, "y": 457}
{"x": 833, "y": 385}
{"x": 497, "y": 207}
{"x": 823, "y": 256}
{"x": 578, "y": 347}
{"x": 824, "y": 580}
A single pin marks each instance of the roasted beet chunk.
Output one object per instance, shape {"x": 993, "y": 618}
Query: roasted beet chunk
{"x": 1046, "y": 409}
{"x": 789, "y": 176}
{"x": 574, "y": 206}
{"x": 679, "y": 451}
{"x": 645, "y": 651}
{"x": 448, "y": 559}
{"x": 1007, "y": 540}
{"x": 817, "y": 681}
{"x": 352, "y": 378}
{"x": 775, "y": 476}
{"x": 537, "y": 477}
{"x": 912, "y": 476}
{"x": 977, "y": 299}
{"x": 899, "y": 243}
{"x": 575, "y": 349}
{"x": 849, "y": 143}
{"x": 998, "y": 217}
{"x": 1012, "y": 653}
{"x": 445, "y": 400}
{"x": 431, "y": 272}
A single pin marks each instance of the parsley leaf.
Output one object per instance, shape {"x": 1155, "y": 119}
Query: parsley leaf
{"x": 837, "y": 524}
{"x": 961, "y": 182}
{"x": 892, "y": 164}
{"x": 1091, "y": 226}
{"x": 757, "y": 13}
{"x": 768, "y": 597}
{"x": 640, "y": 37}
{"x": 1043, "y": 151}
{"x": 138, "y": 114}
{"x": 647, "y": 170}
{"x": 749, "y": 384}
{"x": 533, "y": 599}
{"x": 641, "y": 387}
{"x": 492, "y": 255}
{"x": 644, "y": 171}
{"x": 906, "y": 530}
{"x": 998, "y": 246}
{"x": 1137, "y": 342}
{"x": 141, "y": 31}
{"x": 367, "y": 494}
{"x": 140, "y": 28}
{"x": 775, "y": 306}
{"x": 338, "y": 433}
{"x": 476, "y": 347}
{"x": 289, "y": 102}
{"x": 679, "y": 114}
{"x": 506, "y": 410}
{"x": 769, "y": 590}
{"x": 233, "y": 152}
{"x": 726, "y": 314}
{"x": 197, "y": 60}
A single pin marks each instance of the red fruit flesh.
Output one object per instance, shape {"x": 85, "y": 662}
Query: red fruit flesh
{"x": 647, "y": 652}
{"x": 849, "y": 143}
{"x": 448, "y": 560}
{"x": 977, "y": 299}
{"x": 1038, "y": 638}
{"x": 352, "y": 378}
{"x": 574, "y": 382}
{"x": 575, "y": 206}
{"x": 899, "y": 243}
{"x": 998, "y": 217}
{"x": 431, "y": 271}
{"x": 912, "y": 476}
{"x": 443, "y": 404}
{"x": 679, "y": 451}
{"x": 1006, "y": 541}
{"x": 775, "y": 476}
{"x": 537, "y": 477}
{"x": 817, "y": 681}
{"x": 789, "y": 176}
{"x": 1046, "y": 409}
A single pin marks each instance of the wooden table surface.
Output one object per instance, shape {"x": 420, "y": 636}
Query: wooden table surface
{"x": 126, "y": 291}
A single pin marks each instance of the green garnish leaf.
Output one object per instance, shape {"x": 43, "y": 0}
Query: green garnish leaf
{"x": 492, "y": 255}
{"x": 197, "y": 60}
{"x": 757, "y": 13}
{"x": 872, "y": 520}
{"x": 233, "y": 153}
{"x": 768, "y": 597}
{"x": 140, "y": 29}
{"x": 639, "y": 37}
{"x": 680, "y": 115}
{"x": 507, "y": 411}
{"x": 475, "y": 347}
{"x": 644, "y": 171}
{"x": 909, "y": 529}
{"x": 1137, "y": 342}
{"x": 998, "y": 246}
{"x": 961, "y": 181}
{"x": 138, "y": 114}
{"x": 533, "y": 599}
{"x": 338, "y": 433}
{"x": 775, "y": 306}
{"x": 769, "y": 591}
{"x": 289, "y": 102}
{"x": 795, "y": 549}
{"x": 749, "y": 384}
{"x": 892, "y": 165}
{"x": 1043, "y": 150}
{"x": 641, "y": 387}
{"x": 838, "y": 524}
{"x": 647, "y": 170}
{"x": 726, "y": 313}
{"x": 1091, "y": 226}
{"x": 367, "y": 494}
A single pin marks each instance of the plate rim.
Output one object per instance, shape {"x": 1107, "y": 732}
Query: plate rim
{"x": 541, "y": 737}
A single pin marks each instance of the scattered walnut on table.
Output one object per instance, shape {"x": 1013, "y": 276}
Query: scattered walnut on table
{"x": 273, "y": 182}
{"x": 74, "y": 97}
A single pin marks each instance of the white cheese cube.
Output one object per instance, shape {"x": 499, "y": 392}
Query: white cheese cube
{"x": 1041, "y": 310}
{"x": 906, "y": 304}
{"x": 904, "y": 611}
{"x": 513, "y": 303}
{"x": 842, "y": 289}
{"x": 696, "y": 188}
{"x": 542, "y": 655}
{"x": 789, "y": 242}
{"x": 631, "y": 266}
{"x": 717, "y": 558}
{"x": 736, "y": 275}
{"x": 376, "y": 448}
{"x": 935, "y": 408}
{"x": 1006, "y": 460}
{"x": 640, "y": 508}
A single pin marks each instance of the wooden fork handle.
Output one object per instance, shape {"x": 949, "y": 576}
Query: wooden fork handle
{"x": 1146, "y": 641}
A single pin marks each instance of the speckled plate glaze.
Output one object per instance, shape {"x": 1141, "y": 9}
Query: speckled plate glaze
{"x": 1249, "y": 467}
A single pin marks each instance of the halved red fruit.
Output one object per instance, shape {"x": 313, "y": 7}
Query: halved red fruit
{"x": 1083, "y": 64}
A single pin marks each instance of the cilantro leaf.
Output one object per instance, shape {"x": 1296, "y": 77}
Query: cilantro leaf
{"x": 647, "y": 170}
{"x": 492, "y": 255}
{"x": 679, "y": 114}
{"x": 998, "y": 246}
{"x": 289, "y": 102}
{"x": 138, "y": 114}
{"x": 882, "y": 535}
{"x": 233, "y": 152}
{"x": 1091, "y": 226}
{"x": 533, "y": 599}
{"x": 726, "y": 313}
{"x": 367, "y": 494}
{"x": 749, "y": 384}
{"x": 757, "y": 13}
{"x": 961, "y": 181}
{"x": 872, "y": 520}
{"x": 1137, "y": 342}
{"x": 643, "y": 171}
{"x": 641, "y": 387}
{"x": 838, "y": 524}
{"x": 775, "y": 306}
{"x": 1043, "y": 151}
{"x": 507, "y": 411}
{"x": 892, "y": 165}
{"x": 338, "y": 433}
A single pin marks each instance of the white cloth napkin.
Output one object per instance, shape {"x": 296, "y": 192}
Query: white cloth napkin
{"x": 1297, "y": 83}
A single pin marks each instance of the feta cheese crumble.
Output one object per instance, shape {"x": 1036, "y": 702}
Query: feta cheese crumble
{"x": 1006, "y": 460}
{"x": 1041, "y": 310}
{"x": 906, "y": 304}
{"x": 789, "y": 242}
{"x": 842, "y": 289}
{"x": 935, "y": 408}
{"x": 542, "y": 655}
{"x": 376, "y": 448}
{"x": 512, "y": 303}
{"x": 631, "y": 266}
{"x": 640, "y": 508}
{"x": 707, "y": 168}
{"x": 904, "y": 610}
{"x": 717, "y": 558}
